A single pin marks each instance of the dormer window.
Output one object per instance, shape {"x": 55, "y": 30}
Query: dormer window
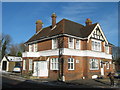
{"x": 71, "y": 43}
{"x": 54, "y": 43}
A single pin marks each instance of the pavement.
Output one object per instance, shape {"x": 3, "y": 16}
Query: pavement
{"x": 81, "y": 83}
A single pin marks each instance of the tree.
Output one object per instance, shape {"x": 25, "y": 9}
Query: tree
{"x": 19, "y": 54}
{"x": 13, "y": 50}
{"x": 17, "y": 49}
{"x": 5, "y": 43}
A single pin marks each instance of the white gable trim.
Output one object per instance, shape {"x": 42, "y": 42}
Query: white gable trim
{"x": 98, "y": 25}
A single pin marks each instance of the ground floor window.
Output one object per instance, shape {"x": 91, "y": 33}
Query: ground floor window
{"x": 107, "y": 65}
{"x": 94, "y": 64}
{"x": 70, "y": 64}
{"x": 54, "y": 64}
{"x": 30, "y": 64}
{"x": 24, "y": 64}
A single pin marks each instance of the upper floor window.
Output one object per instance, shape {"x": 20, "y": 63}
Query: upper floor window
{"x": 54, "y": 64}
{"x": 71, "y": 43}
{"x": 77, "y": 44}
{"x": 54, "y": 43}
{"x": 70, "y": 64}
{"x": 96, "y": 45}
{"x": 94, "y": 64}
{"x": 33, "y": 47}
{"x": 107, "y": 49}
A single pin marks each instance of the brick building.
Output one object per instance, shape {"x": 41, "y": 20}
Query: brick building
{"x": 67, "y": 51}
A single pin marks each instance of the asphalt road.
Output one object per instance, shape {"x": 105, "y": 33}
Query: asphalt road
{"x": 8, "y": 83}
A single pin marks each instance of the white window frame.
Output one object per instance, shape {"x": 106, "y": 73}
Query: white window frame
{"x": 24, "y": 64}
{"x": 96, "y": 45}
{"x": 30, "y": 64}
{"x": 35, "y": 47}
{"x": 71, "y": 62}
{"x": 30, "y": 48}
{"x": 96, "y": 67}
{"x": 54, "y": 44}
{"x": 71, "y": 45}
{"x": 107, "y": 65}
{"x": 54, "y": 64}
{"x": 77, "y": 44}
{"x": 107, "y": 49}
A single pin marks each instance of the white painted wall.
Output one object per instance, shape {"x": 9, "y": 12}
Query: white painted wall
{"x": 67, "y": 51}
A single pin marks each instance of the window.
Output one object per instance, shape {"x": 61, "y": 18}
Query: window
{"x": 107, "y": 65}
{"x": 54, "y": 43}
{"x": 96, "y": 46}
{"x": 71, "y": 43}
{"x": 107, "y": 49}
{"x": 24, "y": 64}
{"x": 30, "y": 48}
{"x": 54, "y": 64}
{"x": 94, "y": 64}
{"x": 77, "y": 44}
{"x": 35, "y": 47}
{"x": 70, "y": 64}
{"x": 30, "y": 64}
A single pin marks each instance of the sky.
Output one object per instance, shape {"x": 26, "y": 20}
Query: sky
{"x": 18, "y": 18}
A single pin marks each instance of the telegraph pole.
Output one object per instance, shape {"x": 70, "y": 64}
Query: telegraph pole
{"x": 60, "y": 58}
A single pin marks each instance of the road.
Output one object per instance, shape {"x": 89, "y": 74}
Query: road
{"x": 11, "y": 83}
{"x": 8, "y": 83}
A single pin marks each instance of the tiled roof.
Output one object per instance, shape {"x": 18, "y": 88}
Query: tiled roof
{"x": 64, "y": 27}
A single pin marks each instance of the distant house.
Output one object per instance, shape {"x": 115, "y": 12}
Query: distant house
{"x": 67, "y": 51}
{"x": 9, "y": 62}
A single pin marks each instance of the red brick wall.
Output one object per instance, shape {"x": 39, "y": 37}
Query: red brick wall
{"x": 45, "y": 45}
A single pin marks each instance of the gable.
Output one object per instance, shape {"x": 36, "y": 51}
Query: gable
{"x": 98, "y": 33}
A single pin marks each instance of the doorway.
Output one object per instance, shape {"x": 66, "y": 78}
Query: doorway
{"x": 102, "y": 69}
{"x": 40, "y": 69}
{"x": 4, "y": 65}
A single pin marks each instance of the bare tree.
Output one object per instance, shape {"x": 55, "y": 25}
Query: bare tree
{"x": 5, "y": 43}
{"x": 13, "y": 50}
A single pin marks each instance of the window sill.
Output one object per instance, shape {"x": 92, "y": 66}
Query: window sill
{"x": 95, "y": 69}
{"x": 70, "y": 69}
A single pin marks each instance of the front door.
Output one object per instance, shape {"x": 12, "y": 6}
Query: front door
{"x": 40, "y": 69}
{"x": 102, "y": 69}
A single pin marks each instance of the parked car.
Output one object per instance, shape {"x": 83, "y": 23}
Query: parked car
{"x": 117, "y": 75}
{"x": 17, "y": 69}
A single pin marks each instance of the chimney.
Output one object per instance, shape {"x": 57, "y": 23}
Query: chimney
{"x": 88, "y": 22}
{"x": 38, "y": 25}
{"x": 53, "y": 19}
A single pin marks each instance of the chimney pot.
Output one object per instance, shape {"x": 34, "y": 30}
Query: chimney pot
{"x": 88, "y": 22}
